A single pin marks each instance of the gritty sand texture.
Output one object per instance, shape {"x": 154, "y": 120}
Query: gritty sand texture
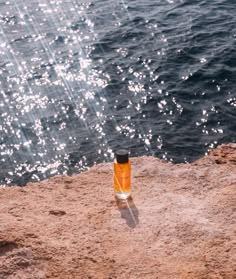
{"x": 180, "y": 223}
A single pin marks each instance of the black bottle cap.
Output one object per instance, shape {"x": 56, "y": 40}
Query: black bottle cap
{"x": 122, "y": 156}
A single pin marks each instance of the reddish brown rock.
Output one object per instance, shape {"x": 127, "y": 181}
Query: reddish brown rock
{"x": 180, "y": 224}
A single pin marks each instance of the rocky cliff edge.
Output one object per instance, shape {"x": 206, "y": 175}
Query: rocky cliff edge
{"x": 181, "y": 223}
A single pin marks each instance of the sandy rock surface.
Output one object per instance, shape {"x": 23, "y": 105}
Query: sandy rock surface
{"x": 181, "y": 223}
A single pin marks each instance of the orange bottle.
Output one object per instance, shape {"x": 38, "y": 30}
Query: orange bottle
{"x": 122, "y": 174}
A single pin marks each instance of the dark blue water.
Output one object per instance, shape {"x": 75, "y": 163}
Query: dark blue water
{"x": 79, "y": 79}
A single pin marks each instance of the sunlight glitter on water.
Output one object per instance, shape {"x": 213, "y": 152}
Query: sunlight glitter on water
{"x": 28, "y": 108}
{"x": 80, "y": 78}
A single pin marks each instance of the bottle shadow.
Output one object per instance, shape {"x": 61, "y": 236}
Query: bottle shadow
{"x": 128, "y": 211}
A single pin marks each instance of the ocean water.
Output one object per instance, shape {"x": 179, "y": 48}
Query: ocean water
{"x": 79, "y": 79}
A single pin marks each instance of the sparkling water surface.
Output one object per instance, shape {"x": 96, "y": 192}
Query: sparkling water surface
{"x": 78, "y": 79}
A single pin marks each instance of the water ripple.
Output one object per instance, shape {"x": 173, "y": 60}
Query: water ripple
{"x": 77, "y": 80}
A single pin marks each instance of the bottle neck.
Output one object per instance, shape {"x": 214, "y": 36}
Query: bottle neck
{"x": 115, "y": 161}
